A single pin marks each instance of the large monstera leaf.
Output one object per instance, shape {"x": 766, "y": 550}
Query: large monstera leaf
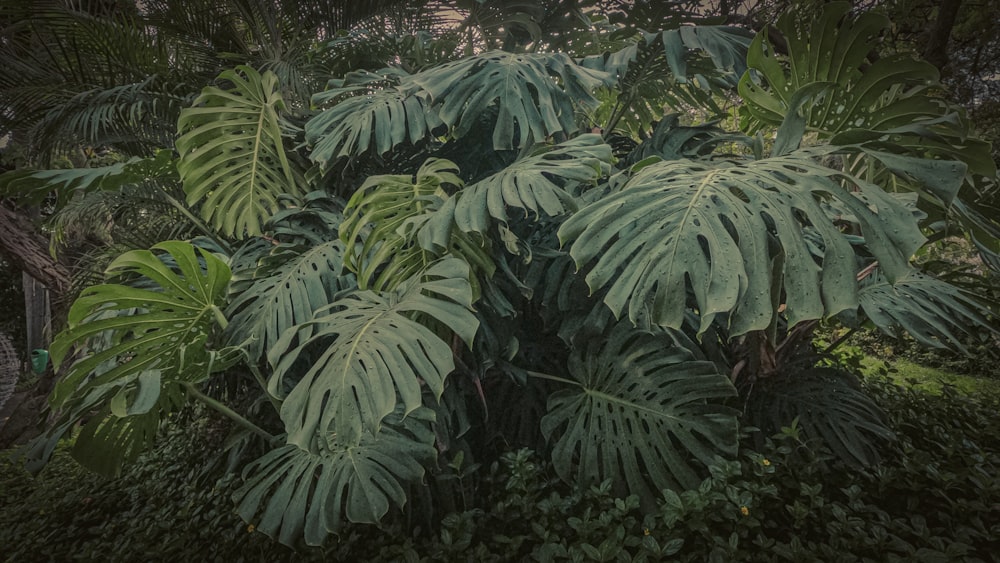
{"x": 540, "y": 183}
{"x": 534, "y": 92}
{"x": 370, "y": 112}
{"x": 729, "y": 233}
{"x": 232, "y": 157}
{"x": 309, "y": 494}
{"x": 365, "y": 354}
{"x": 642, "y": 414}
{"x": 290, "y": 284}
{"x": 143, "y": 344}
{"x": 386, "y": 218}
{"x": 377, "y": 213}
{"x": 934, "y": 312}
{"x": 397, "y": 224}
{"x": 852, "y": 99}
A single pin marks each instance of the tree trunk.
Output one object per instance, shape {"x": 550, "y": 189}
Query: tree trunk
{"x": 27, "y": 250}
{"x": 936, "y": 48}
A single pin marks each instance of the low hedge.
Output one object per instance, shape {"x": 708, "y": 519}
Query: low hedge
{"x": 935, "y": 497}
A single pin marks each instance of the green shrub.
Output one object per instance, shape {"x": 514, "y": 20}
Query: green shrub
{"x": 935, "y": 497}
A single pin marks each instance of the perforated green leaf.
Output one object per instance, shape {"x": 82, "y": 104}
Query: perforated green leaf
{"x": 365, "y": 354}
{"x": 725, "y": 45}
{"x": 232, "y": 158}
{"x": 932, "y": 311}
{"x": 541, "y": 183}
{"x": 828, "y": 403}
{"x": 291, "y": 493}
{"x": 141, "y": 345}
{"x": 728, "y": 233}
{"x": 643, "y": 416}
{"x": 534, "y": 92}
{"x": 375, "y": 219}
{"x": 286, "y": 289}
{"x": 367, "y": 115}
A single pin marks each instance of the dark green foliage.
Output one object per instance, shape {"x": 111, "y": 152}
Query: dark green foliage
{"x": 934, "y": 498}
{"x": 490, "y": 233}
{"x": 12, "y": 304}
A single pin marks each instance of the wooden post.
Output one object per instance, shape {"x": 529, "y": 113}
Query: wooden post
{"x": 38, "y": 313}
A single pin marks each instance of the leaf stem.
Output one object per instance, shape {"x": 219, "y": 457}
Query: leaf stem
{"x": 220, "y": 317}
{"x": 275, "y": 402}
{"x": 836, "y": 343}
{"x": 197, "y": 222}
{"x": 228, "y": 412}
{"x": 540, "y": 375}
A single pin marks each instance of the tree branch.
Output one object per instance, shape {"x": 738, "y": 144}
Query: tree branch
{"x": 27, "y": 250}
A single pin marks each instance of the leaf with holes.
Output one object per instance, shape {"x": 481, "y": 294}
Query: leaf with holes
{"x": 232, "y": 157}
{"x": 365, "y": 355}
{"x": 540, "y": 183}
{"x": 645, "y": 414}
{"x": 289, "y": 285}
{"x": 390, "y": 218}
{"x": 718, "y": 229}
{"x": 291, "y": 493}
{"x": 534, "y": 92}
{"x": 932, "y": 311}
{"x": 368, "y": 115}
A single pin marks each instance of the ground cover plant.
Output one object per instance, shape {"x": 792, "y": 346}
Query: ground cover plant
{"x": 517, "y": 241}
{"x": 933, "y": 498}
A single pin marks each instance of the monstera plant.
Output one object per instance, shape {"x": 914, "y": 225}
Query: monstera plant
{"x": 505, "y": 270}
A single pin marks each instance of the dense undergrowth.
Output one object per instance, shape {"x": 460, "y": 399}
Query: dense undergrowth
{"x": 935, "y": 497}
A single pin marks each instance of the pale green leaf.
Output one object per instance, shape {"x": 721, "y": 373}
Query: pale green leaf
{"x": 232, "y": 157}
{"x": 397, "y": 224}
{"x": 141, "y": 343}
{"x": 376, "y": 215}
{"x": 164, "y": 328}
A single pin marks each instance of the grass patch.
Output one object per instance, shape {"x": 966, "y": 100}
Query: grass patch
{"x": 929, "y": 379}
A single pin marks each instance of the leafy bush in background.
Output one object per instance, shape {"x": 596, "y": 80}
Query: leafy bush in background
{"x": 12, "y": 322}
